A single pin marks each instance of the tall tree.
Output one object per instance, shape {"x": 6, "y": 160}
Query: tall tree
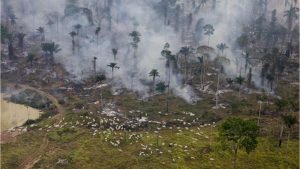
{"x": 115, "y": 52}
{"x": 291, "y": 15}
{"x": 236, "y": 134}
{"x": 164, "y": 4}
{"x": 30, "y": 58}
{"x": 12, "y": 18}
{"x": 289, "y": 121}
{"x": 201, "y": 70}
{"x": 272, "y": 33}
{"x": 73, "y": 34}
{"x": 154, "y": 73}
{"x": 4, "y": 33}
{"x": 264, "y": 71}
{"x": 113, "y": 66}
{"x": 270, "y": 79}
{"x": 177, "y": 18}
{"x": 109, "y": 15}
{"x": 243, "y": 41}
{"x": 97, "y": 31}
{"x": 77, "y": 27}
{"x": 208, "y": 31}
{"x": 229, "y": 81}
{"x": 222, "y": 47}
{"x": 50, "y": 49}
{"x": 135, "y": 35}
{"x": 219, "y": 64}
{"x": 167, "y": 54}
{"x": 249, "y": 77}
{"x": 94, "y": 64}
{"x": 41, "y": 31}
{"x": 260, "y": 25}
{"x": 199, "y": 30}
{"x": 186, "y": 51}
{"x": 21, "y": 37}
{"x": 10, "y": 41}
{"x": 239, "y": 80}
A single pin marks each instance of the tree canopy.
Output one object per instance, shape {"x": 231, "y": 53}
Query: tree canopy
{"x": 241, "y": 133}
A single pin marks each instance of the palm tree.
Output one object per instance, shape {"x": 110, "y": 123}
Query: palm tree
{"x": 10, "y": 40}
{"x": 21, "y": 37}
{"x": 263, "y": 72}
{"x": 41, "y": 31}
{"x": 270, "y": 79}
{"x": 115, "y": 52}
{"x": 291, "y": 15}
{"x": 229, "y": 81}
{"x": 77, "y": 27}
{"x": 135, "y": 35}
{"x": 161, "y": 87}
{"x": 249, "y": 77}
{"x": 167, "y": 54}
{"x": 97, "y": 31}
{"x": 239, "y": 80}
{"x": 30, "y": 58}
{"x": 222, "y": 47}
{"x": 73, "y": 34}
{"x": 113, "y": 66}
{"x": 13, "y": 19}
{"x": 186, "y": 51}
{"x": 135, "y": 39}
{"x": 208, "y": 30}
{"x": 200, "y": 61}
{"x": 50, "y": 49}
{"x": 94, "y": 64}
{"x": 201, "y": 70}
{"x": 154, "y": 73}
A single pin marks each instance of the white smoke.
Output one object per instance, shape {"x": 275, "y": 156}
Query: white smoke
{"x": 126, "y": 16}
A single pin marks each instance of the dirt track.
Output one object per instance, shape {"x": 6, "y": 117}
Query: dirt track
{"x": 7, "y": 136}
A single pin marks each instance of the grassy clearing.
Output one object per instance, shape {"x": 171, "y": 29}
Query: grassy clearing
{"x": 12, "y": 154}
{"x": 192, "y": 150}
{"x": 84, "y": 150}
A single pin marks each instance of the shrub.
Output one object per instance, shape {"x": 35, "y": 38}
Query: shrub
{"x": 100, "y": 78}
{"x": 61, "y": 101}
{"x": 29, "y": 122}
